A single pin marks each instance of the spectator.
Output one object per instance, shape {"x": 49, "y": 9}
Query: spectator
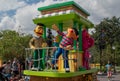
{"x": 29, "y": 62}
{"x": 15, "y": 67}
{"x": 2, "y": 77}
{"x": 7, "y": 70}
{"x": 2, "y": 67}
{"x": 109, "y": 70}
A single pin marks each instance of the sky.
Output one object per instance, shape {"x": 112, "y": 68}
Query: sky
{"x": 18, "y": 14}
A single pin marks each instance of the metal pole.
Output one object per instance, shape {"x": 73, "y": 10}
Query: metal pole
{"x": 100, "y": 60}
{"x": 114, "y": 62}
{"x": 113, "y": 48}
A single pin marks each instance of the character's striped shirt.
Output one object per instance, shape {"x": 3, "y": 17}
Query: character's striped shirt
{"x": 65, "y": 40}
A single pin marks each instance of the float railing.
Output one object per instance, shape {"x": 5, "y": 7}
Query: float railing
{"x": 45, "y": 56}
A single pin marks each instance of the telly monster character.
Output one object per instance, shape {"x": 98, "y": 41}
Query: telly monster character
{"x": 87, "y": 42}
{"x": 36, "y": 43}
{"x": 65, "y": 45}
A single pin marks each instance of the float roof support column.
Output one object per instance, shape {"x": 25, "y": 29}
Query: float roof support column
{"x": 43, "y": 51}
{"x": 60, "y": 25}
{"x": 75, "y": 26}
{"x": 44, "y": 34}
{"x": 80, "y": 37}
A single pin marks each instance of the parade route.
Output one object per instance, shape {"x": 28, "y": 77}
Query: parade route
{"x": 103, "y": 77}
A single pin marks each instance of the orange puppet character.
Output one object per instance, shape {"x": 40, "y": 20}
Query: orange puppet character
{"x": 65, "y": 45}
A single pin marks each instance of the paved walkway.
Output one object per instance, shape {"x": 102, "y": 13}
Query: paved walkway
{"x": 103, "y": 77}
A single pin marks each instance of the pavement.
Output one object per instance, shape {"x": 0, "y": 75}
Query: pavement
{"x": 103, "y": 77}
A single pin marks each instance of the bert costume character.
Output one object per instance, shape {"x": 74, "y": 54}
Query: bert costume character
{"x": 65, "y": 45}
{"x": 36, "y": 43}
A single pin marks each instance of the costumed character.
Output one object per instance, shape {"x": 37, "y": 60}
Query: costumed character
{"x": 65, "y": 45}
{"x": 56, "y": 41}
{"x": 49, "y": 38}
{"x": 36, "y": 43}
{"x": 87, "y": 42}
{"x": 49, "y": 52}
{"x": 49, "y": 42}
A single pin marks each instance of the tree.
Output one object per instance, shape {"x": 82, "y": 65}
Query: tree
{"x": 12, "y": 44}
{"x": 107, "y": 35}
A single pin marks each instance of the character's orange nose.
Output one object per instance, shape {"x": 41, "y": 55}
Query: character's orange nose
{"x": 71, "y": 31}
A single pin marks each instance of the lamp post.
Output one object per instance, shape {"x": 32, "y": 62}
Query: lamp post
{"x": 113, "y": 47}
{"x": 102, "y": 44}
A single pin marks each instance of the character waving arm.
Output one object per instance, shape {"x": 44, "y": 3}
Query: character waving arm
{"x": 57, "y": 29}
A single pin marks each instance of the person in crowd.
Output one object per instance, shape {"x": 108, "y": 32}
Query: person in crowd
{"x": 2, "y": 76}
{"x": 15, "y": 67}
{"x": 7, "y": 70}
{"x": 109, "y": 70}
{"x": 29, "y": 62}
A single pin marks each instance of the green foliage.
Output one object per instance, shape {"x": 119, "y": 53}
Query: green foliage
{"x": 12, "y": 44}
{"x": 108, "y": 31}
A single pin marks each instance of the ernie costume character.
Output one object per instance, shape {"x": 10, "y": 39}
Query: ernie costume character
{"x": 36, "y": 43}
{"x": 88, "y": 42}
{"x": 65, "y": 45}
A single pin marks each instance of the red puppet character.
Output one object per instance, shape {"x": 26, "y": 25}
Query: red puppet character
{"x": 65, "y": 45}
{"x": 87, "y": 42}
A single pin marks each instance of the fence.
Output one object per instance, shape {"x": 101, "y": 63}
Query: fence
{"x": 46, "y": 55}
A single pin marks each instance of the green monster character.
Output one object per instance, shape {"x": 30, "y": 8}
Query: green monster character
{"x": 36, "y": 43}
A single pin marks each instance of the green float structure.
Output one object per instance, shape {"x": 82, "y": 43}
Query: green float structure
{"x": 66, "y": 14}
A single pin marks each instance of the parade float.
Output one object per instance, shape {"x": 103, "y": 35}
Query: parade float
{"x": 64, "y": 15}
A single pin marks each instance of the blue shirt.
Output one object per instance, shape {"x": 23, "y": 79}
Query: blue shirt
{"x": 108, "y": 66}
